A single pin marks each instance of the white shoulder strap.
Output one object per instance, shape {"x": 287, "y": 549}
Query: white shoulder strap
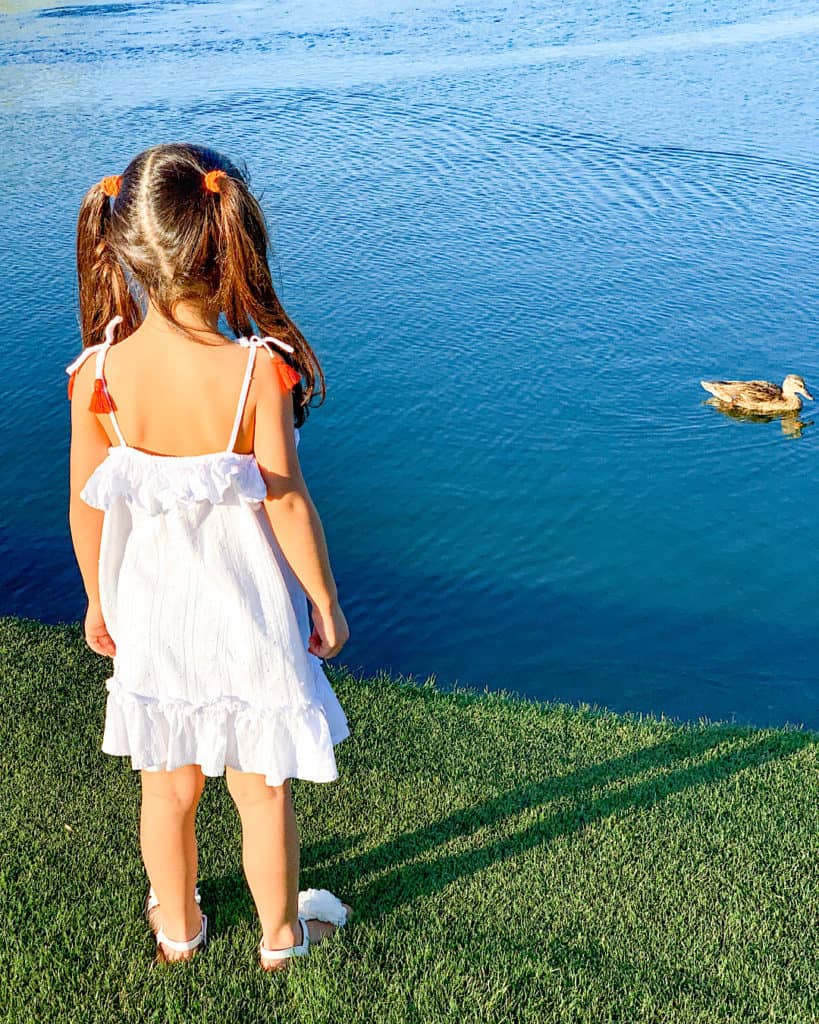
{"x": 252, "y": 343}
{"x": 101, "y": 351}
{"x": 109, "y": 336}
{"x": 81, "y": 358}
{"x": 276, "y": 341}
{"x": 237, "y": 419}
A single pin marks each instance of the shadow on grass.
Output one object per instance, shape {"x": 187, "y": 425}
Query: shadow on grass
{"x": 410, "y": 879}
{"x": 407, "y": 878}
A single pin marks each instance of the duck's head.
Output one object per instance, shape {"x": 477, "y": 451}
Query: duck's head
{"x": 793, "y": 384}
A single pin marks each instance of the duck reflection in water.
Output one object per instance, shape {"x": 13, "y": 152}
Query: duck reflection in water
{"x": 790, "y": 423}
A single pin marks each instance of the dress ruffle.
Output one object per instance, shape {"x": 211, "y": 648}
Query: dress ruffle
{"x": 279, "y": 742}
{"x": 161, "y": 484}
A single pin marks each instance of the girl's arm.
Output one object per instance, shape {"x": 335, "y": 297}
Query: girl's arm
{"x": 89, "y": 446}
{"x": 290, "y": 509}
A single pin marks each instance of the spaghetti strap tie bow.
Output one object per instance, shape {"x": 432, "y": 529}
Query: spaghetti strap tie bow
{"x": 254, "y": 339}
{"x": 288, "y": 376}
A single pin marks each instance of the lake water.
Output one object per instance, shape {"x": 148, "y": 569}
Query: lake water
{"x": 517, "y": 236}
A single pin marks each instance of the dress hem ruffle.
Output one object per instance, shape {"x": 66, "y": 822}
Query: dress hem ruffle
{"x": 279, "y": 742}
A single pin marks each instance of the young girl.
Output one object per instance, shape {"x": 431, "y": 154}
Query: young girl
{"x": 197, "y": 540}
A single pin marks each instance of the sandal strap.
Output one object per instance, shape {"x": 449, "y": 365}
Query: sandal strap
{"x": 183, "y": 947}
{"x": 283, "y": 954}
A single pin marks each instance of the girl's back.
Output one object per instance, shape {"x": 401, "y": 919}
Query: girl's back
{"x": 176, "y": 396}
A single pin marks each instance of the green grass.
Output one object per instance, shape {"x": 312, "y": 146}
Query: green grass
{"x": 507, "y": 861}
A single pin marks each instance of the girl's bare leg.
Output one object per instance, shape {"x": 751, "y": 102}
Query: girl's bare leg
{"x": 168, "y": 841}
{"x": 270, "y": 854}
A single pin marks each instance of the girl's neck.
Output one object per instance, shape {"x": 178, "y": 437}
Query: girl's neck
{"x": 191, "y": 315}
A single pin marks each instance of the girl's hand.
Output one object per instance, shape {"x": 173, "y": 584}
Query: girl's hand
{"x": 330, "y": 632}
{"x": 96, "y": 632}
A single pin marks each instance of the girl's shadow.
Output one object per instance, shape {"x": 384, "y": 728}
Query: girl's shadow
{"x": 409, "y": 877}
{"x": 407, "y": 881}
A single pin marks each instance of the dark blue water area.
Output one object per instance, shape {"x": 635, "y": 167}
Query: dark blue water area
{"x": 517, "y": 238}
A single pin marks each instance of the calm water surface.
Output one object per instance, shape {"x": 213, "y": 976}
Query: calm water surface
{"x": 517, "y": 236}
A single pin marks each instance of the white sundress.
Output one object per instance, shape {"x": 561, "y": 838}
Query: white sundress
{"x": 210, "y": 623}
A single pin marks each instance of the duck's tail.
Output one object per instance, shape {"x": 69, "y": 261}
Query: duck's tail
{"x": 709, "y": 386}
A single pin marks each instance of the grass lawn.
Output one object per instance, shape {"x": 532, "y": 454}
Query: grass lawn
{"x": 507, "y": 861}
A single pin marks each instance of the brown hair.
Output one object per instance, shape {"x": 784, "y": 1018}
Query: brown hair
{"x": 168, "y": 235}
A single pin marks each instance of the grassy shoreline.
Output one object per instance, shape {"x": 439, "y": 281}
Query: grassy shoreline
{"x": 508, "y": 860}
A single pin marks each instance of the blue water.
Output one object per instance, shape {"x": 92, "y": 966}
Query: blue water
{"x": 517, "y": 236}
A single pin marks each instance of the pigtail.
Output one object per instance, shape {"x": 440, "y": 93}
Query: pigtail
{"x": 103, "y": 288}
{"x": 184, "y": 224}
{"x": 246, "y": 294}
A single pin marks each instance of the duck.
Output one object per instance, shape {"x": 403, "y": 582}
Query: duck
{"x": 760, "y": 395}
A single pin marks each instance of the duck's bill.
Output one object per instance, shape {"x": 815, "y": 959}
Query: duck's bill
{"x": 808, "y": 395}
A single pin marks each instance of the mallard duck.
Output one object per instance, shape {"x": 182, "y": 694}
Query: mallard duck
{"x": 760, "y": 395}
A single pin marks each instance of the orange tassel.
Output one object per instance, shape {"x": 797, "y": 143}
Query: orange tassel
{"x": 288, "y": 377}
{"x": 71, "y": 383}
{"x": 100, "y": 399}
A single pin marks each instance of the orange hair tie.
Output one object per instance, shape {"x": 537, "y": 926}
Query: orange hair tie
{"x": 111, "y": 184}
{"x": 211, "y": 180}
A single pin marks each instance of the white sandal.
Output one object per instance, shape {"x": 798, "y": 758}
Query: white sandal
{"x": 151, "y": 901}
{"x": 285, "y": 954}
{"x": 315, "y": 905}
{"x": 180, "y": 947}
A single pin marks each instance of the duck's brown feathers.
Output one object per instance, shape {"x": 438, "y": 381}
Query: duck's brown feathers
{"x": 750, "y": 391}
